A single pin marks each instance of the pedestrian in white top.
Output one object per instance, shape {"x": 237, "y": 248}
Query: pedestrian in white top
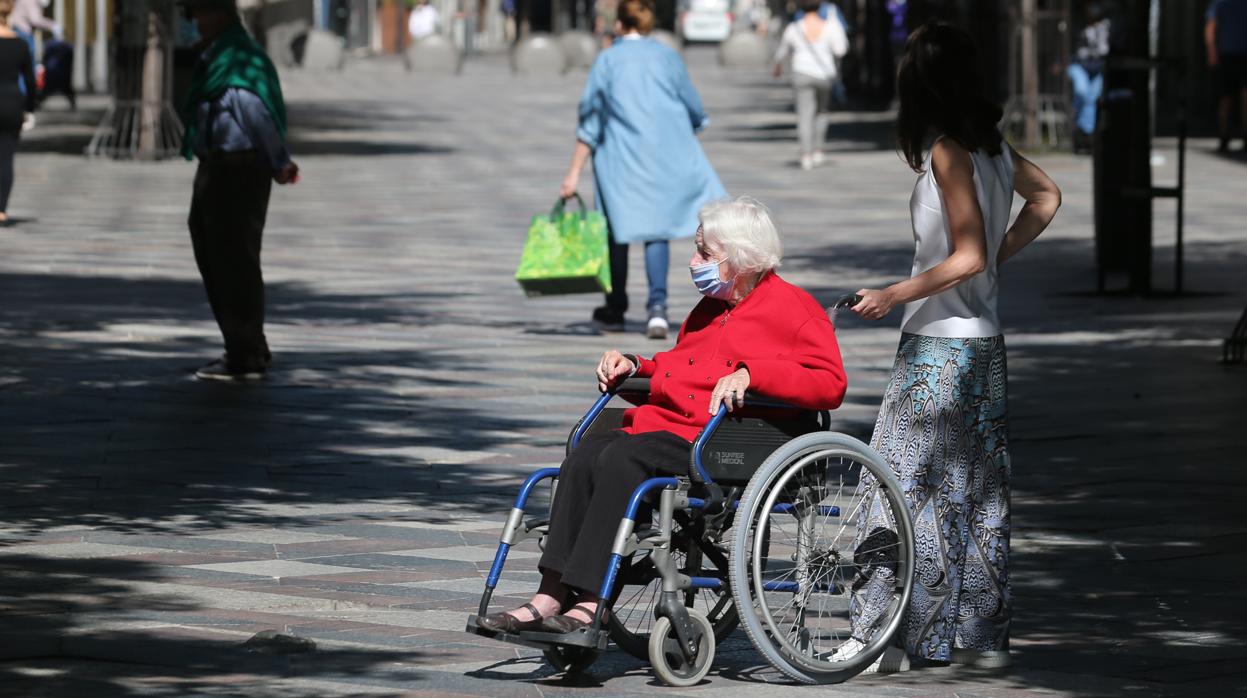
{"x": 943, "y": 425}
{"x": 423, "y": 21}
{"x": 815, "y": 42}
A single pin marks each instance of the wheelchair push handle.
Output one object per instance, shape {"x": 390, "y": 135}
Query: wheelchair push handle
{"x": 847, "y": 301}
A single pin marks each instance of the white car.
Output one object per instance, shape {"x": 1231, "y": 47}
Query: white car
{"x": 705, "y": 20}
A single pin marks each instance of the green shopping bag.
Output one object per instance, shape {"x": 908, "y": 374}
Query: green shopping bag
{"x": 565, "y": 253}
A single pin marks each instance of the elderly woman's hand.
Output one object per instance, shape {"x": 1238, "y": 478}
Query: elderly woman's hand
{"x": 874, "y": 304}
{"x": 730, "y": 391}
{"x": 611, "y": 369}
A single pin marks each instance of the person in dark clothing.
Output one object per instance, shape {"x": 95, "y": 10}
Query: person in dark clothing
{"x": 16, "y": 107}
{"x": 58, "y": 70}
{"x": 235, "y": 124}
{"x": 1225, "y": 35}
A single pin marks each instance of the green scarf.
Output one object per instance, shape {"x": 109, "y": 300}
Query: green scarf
{"x": 233, "y": 60}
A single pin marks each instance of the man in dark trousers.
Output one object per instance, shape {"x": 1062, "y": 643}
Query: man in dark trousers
{"x": 235, "y": 124}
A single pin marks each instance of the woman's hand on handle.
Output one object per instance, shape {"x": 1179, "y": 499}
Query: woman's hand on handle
{"x": 874, "y": 304}
{"x": 612, "y": 369}
{"x": 570, "y": 184}
{"x": 730, "y": 391}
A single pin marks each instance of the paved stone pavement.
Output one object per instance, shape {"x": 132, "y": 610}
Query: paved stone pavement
{"x": 151, "y": 524}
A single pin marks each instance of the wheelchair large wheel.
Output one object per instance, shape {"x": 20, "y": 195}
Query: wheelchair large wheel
{"x": 823, "y": 558}
{"x": 638, "y": 585}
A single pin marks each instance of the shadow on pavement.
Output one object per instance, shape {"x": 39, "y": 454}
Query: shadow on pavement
{"x": 69, "y": 133}
{"x": 115, "y": 434}
{"x": 51, "y": 598}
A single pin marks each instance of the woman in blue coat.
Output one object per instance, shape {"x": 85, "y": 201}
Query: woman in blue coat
{"x": 638, "y": 117}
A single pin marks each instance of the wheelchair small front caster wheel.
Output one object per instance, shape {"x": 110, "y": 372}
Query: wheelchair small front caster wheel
{"x": 667, "y": 659}
{"x": 570, "y": 660}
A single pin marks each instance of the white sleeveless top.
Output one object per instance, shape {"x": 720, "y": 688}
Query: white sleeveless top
{"x": 969, "y": 308}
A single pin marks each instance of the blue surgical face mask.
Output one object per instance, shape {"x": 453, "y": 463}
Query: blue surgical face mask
{"x": 706, "y": 279}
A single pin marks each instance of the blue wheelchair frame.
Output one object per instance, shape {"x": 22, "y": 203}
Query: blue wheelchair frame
{"x": 673, "y": 495}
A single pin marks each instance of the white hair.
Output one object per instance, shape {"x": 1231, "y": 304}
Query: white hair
{"x": 743, "y": 231}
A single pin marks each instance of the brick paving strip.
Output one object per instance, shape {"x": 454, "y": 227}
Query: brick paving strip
{"x": 151, "y": 525}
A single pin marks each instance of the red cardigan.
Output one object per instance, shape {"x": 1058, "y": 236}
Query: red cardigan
{"x": 778, "y": 331}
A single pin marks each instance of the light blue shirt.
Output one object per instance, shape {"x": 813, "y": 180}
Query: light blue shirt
{"x": 639, "y": 114}
{"x": 237, "y": 121}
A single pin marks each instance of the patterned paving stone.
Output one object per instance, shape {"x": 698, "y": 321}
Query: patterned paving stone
{"x": 272, "y": 536}
{"x": 275, "y": 568}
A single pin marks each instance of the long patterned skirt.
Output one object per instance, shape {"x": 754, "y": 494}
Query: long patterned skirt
{"x": 943, "y": 428}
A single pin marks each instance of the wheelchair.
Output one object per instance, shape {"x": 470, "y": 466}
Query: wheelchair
{"x": 796, "y": 533}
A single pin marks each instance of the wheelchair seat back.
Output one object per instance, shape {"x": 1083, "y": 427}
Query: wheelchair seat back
{"x": 741, "y": 444}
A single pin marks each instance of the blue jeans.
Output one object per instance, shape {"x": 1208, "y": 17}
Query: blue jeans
{"x": 30, "y": 43}
{"x": 657, "y": 261}
{"x": 1087, "y": 88}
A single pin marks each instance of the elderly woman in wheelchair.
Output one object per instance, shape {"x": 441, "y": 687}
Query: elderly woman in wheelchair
{"x": 752, "y": 332}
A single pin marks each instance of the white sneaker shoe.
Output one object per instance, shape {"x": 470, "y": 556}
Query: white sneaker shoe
{"x": 807, "y": 162}
{"x": 818, "y": 158}
{"x": 847, "y": 651}
{"x": 892, "y": 661}
{"x": 656, "y": 328}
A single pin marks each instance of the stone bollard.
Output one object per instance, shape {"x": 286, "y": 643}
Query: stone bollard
{"x": 434, "y": 54}
{"x": 324, "y": 51}
{"x": 538, "y": 54}
{"x": 279, "y": 41}
{"x": 666, "y": 38}
{"x": 580, "y": 47}
{"x": 744, "y": 50}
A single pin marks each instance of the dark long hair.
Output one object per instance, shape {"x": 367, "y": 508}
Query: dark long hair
{"x": 941, "y": 92}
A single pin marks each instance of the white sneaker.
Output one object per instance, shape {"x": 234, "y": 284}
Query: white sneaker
{"x": 656, "y": 328}
{"x": 892, "y": 661}
{"x": 847, "y": 651}
{"x": 818, "y": 158}
{"x": 807, "y": 162}
{"x": 982, "y": 659}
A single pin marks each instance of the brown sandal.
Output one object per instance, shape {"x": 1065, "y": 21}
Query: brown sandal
{"x": 507, "y": 623}
{"x": 564, "y": 623}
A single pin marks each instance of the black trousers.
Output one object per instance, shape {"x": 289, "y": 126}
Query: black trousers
{"x": 8, "y": 148}
{"x": 228, "y": 209}
{"x": 595, "y": 483}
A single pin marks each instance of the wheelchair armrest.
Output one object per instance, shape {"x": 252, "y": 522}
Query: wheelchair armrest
{"x": 634, "y": 390}
{"x": 753, "y": 399}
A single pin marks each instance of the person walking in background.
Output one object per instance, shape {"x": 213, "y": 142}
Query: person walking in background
{"x": 423, "y": 20}
{"x": 16, "y": 107}
{"x": 815, "y": 41}
{"x": 1225, "y": 35}
{"x": 1086, "y": 73}
{"x": 235, "y": 124}
{"x": 58, "y": 71}
{"x": 26, "y": 17}
{"x": 943, "y": 424}
{"x": 638, "y": 118}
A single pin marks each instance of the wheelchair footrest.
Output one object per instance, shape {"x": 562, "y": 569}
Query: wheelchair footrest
{"x": 585, "y": 637}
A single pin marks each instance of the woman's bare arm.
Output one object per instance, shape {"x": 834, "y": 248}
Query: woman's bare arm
{"x": 571, "y": 181}
{"x": 954, "y": 171}
{"x": 1042, "y": 201}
